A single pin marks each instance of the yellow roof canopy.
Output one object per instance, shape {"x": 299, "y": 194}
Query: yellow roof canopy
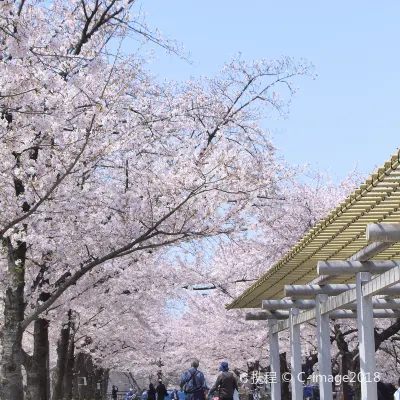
{"x": 335, "y": 238}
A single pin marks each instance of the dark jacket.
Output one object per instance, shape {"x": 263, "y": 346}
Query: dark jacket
{"x": 174, "y": 396}
{"x": 151, "y": 393}
{"x": 161, "y": 391}
{"x": 225, "y": 385}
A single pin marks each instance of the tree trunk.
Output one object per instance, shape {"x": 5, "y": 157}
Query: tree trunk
{"x": 62, "y": 358}
{"x": 104, "y": 383}
{"x": 285, "y": 394}
{"x": 344, "y": 371}
{"x": 37, "y": 369}
{"x": 11, "y": 387}
{"x": 69, "y": 369}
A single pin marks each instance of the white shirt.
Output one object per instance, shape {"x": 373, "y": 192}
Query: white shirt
{"x": 397, "y": 395}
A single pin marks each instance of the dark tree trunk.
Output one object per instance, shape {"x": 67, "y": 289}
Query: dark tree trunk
{"x": 37, "y": 365}
{"x": 11, "y": 387}
{"x": 69, "y": 369}
{"x": 307, "y": 367}
{"x": 62, "y": 353}
{"x": 285, "y": 394}
{"x": 348, "y": 361}
{"x": 104, "y": 377}
{"x": 344, "y": 371}
{"x": 63, "y": 349}
{"x": 11, "y": 384}
{"x": 134, "y": 382}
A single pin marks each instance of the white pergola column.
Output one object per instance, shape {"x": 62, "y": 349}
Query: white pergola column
{"x": 274, "y": 362}
{"x": 295, "y": 357}
{"x": 324, "y": 349}
{"x": 365, "y": 322}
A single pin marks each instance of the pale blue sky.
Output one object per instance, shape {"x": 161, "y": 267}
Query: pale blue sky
{"x": 349, "y": 114}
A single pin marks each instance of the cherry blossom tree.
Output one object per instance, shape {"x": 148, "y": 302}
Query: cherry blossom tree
{"x": 201, "y": 321}
{"x": 273, "y": 229}
{"x": 298, "y": 207}
{"x": 142, "y": 301}
{"x": 100, "y": 162}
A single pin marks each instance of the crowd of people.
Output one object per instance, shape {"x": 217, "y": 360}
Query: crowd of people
{"x": 192, "y": 387}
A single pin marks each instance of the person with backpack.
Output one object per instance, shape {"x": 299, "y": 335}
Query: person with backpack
{"x": 226, "y": 383}
{"x": 193, "y": 383}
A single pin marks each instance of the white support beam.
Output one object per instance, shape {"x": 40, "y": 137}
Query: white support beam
{"x": 281, "y": 326}
{"x": 383, "y": 283}
{"x": 365, "y": 323}
{"x": 274, "y": 361}
{"x": 343, "y": 314}
{"x": 280, "y": 314}
{"x": 388, "y": 233}
{"x": 287, "y": 304}
{"x": 299, "y": 291}
{"x": 258, "y": 316}
{"x": 386, "y": 286}
{"x": 352, "y": 267}
{"x": 295, "y": 357}
{"x": 324, "y": 348}
{"x": 305, "y": 316}
{"x": 339, "y": 314}
{"x": 369, "y": 251}
{"x": 386, "y": 304}
{"x": 392, "y": 291}
{"x": 336, "y": 302}
{"x": 342, "y": 301}
{"x": 265, "y": 315}
{"x": 363, "y": 255}
{"x": 377, "y": 304}
{"x": 349, "y": 314}
{"x": 387, "y": 313}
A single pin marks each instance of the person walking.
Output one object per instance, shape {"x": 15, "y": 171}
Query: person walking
{"x": 193, "y": 383}
{"x": 174, "y": 395}
{"x": 161, "y": 390}
{"x": 114, "y": 392}
{"x": 226, "y": 383}
{"x": 151, "y": 393}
